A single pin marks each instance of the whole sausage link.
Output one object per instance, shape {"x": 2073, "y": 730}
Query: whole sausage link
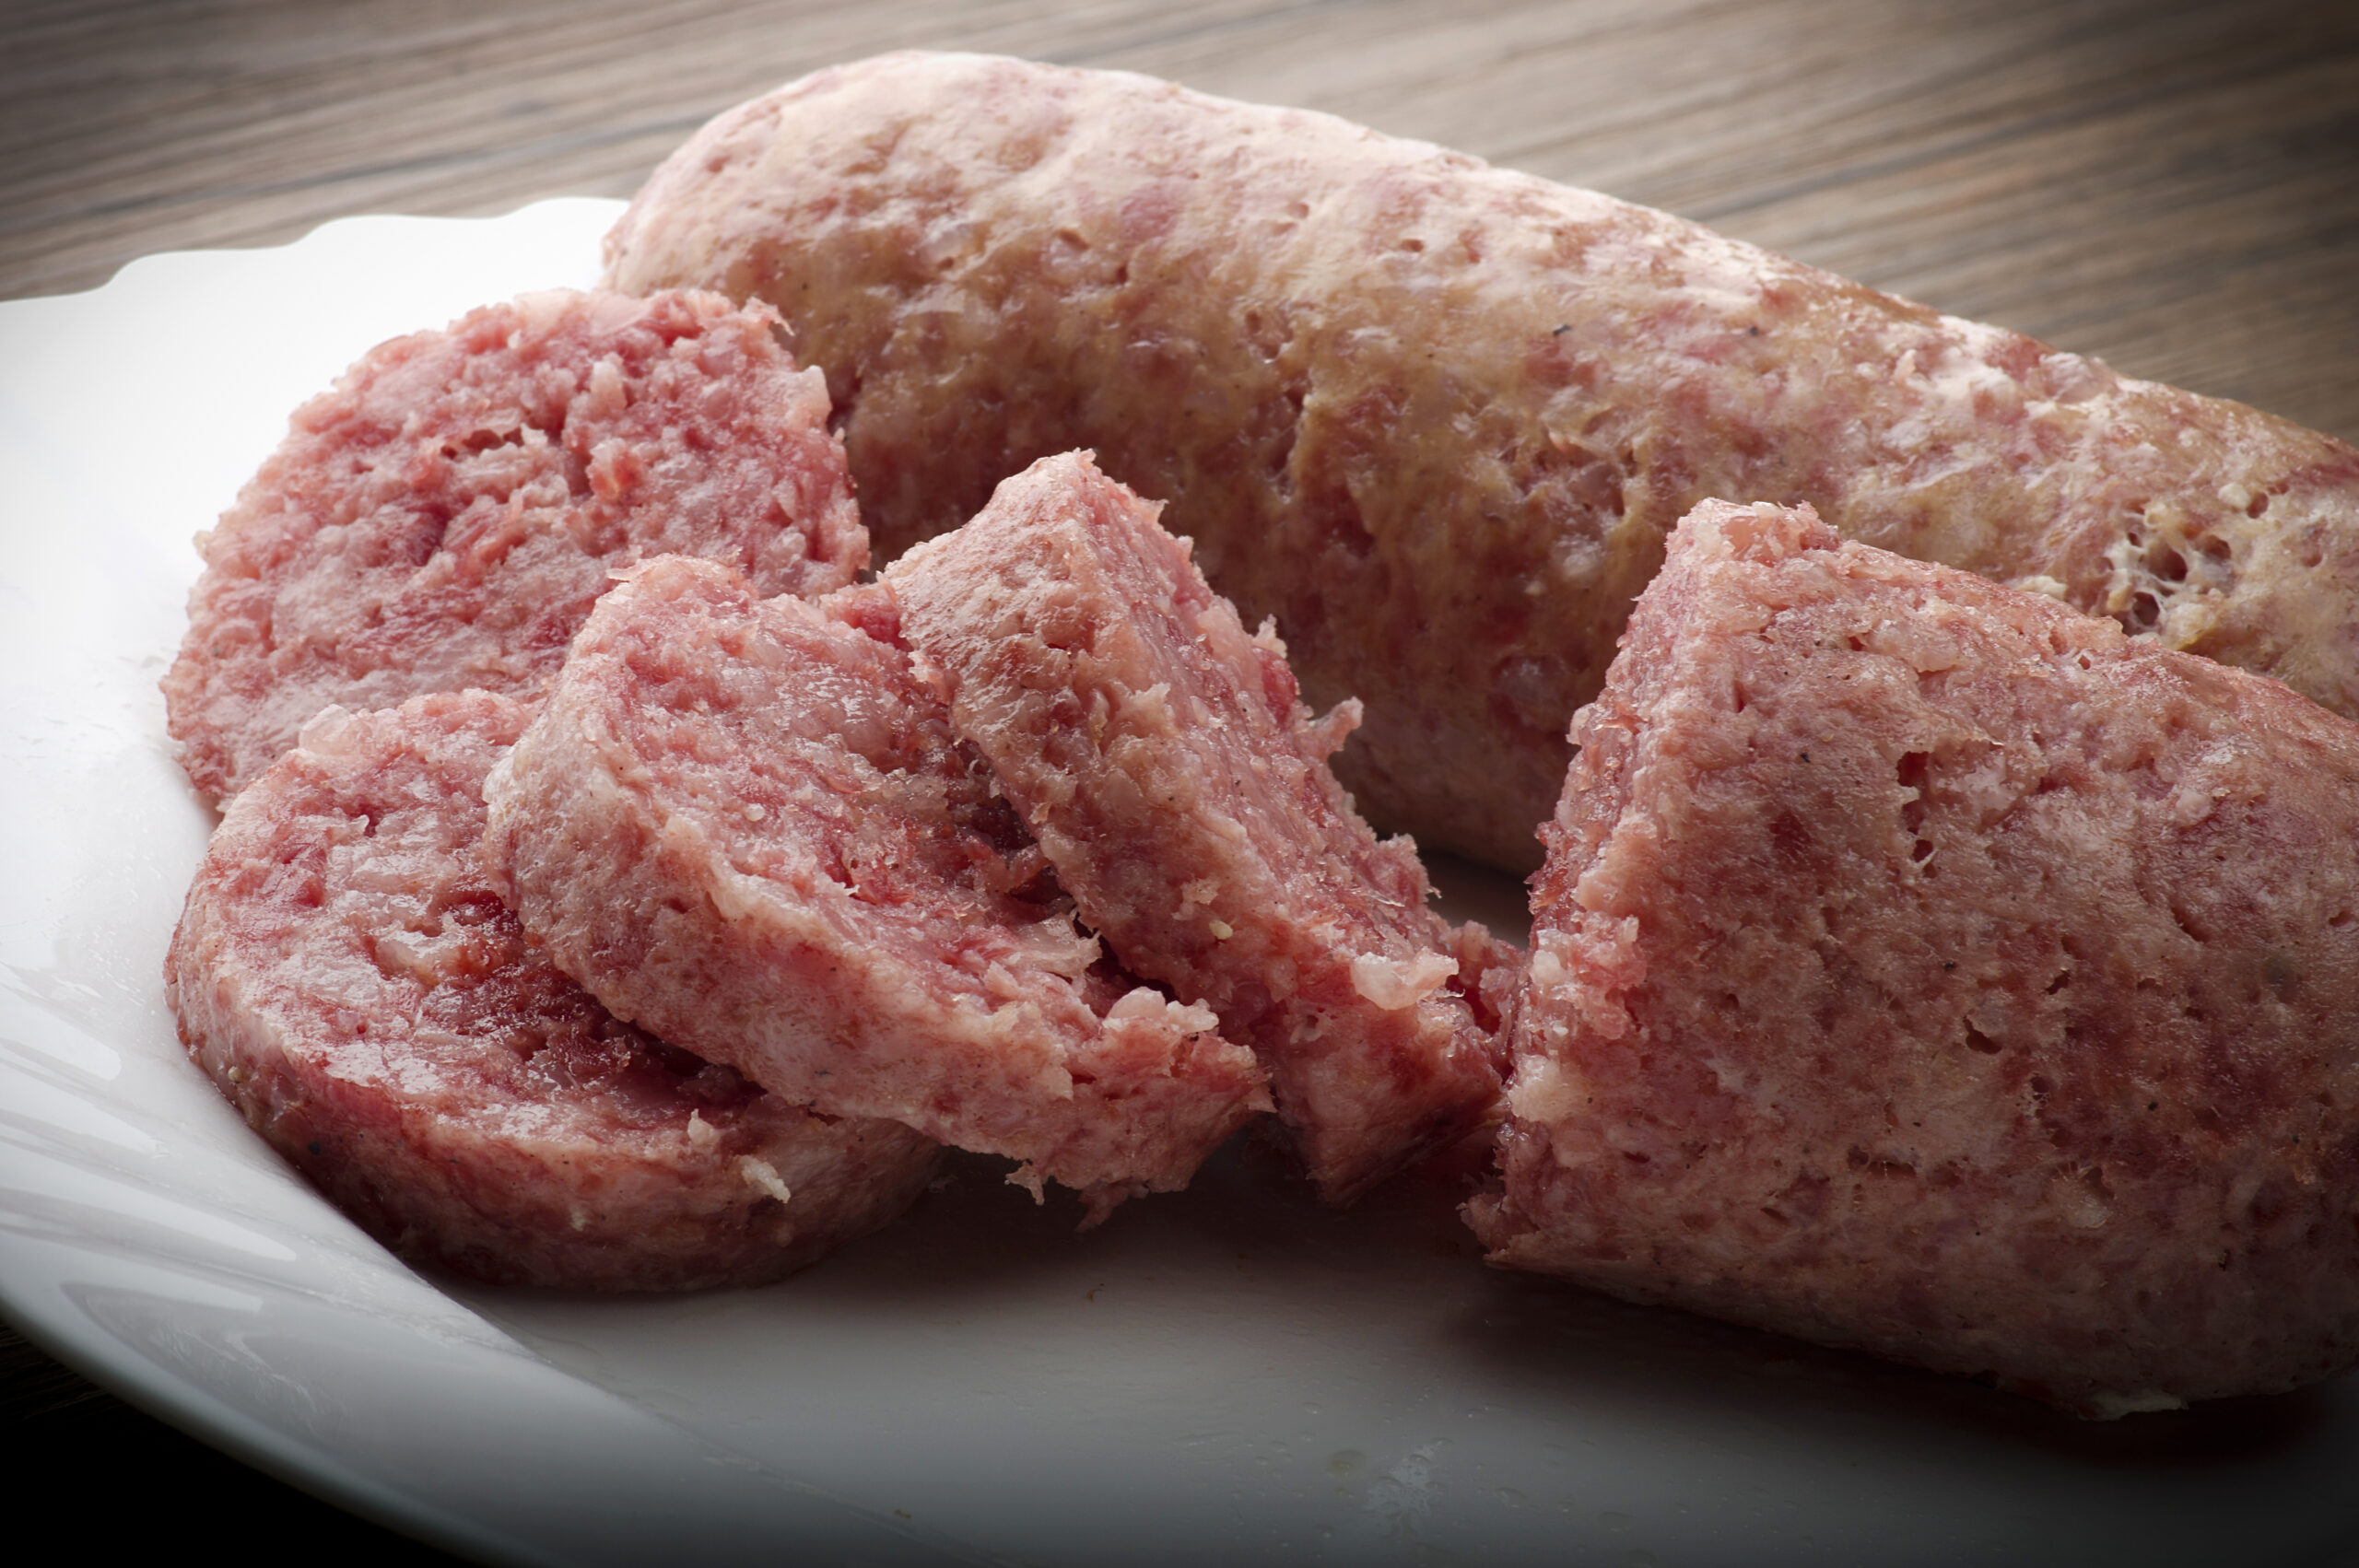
{"x": 1436, "y": 417}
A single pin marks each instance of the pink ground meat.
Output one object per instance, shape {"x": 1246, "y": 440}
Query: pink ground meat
{"x": 1923, "y": 966}
{"x": 445, "y": 517}
{"x": 348, "y": 978}
{"x": 750, "y": 827}
{"x": 1172, "y": 776}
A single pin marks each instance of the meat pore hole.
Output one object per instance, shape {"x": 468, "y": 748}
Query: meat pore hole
{"x": 1923, "y": 966}
{"x": 1160, "y": 755}
{"x": 749, "y": 825}
{"x": 347, "y": 974}
{"x": 443, "y": 517}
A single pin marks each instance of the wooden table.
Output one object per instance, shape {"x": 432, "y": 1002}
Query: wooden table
{"x": 2171, "y": 185}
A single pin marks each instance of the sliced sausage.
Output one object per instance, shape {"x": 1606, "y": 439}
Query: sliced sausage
{"x": 443, "y": 517}
{"x": 1164, "y": 762}
{"x": 348, "y": 978}
{"x": 750, "y": 827}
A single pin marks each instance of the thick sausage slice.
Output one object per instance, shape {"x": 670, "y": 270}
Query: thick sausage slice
{"x": 445, "y": 516}
{"x": 1923, "y": 966}
{"x": 749, "y": 825}
{"x": 349, "y": 978}
{"x": 1161, "y": 757}
{"x": 1436, "y": 417}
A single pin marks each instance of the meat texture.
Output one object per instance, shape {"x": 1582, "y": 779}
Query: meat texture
{"x": 1436, "y": 417}
{"x": 1175, "y": 781}
{"x": 1923, "y": 966}
{"x": 348, "y": 978}
{"x": 750, "y": 827}
{"x": 443, "y": 517}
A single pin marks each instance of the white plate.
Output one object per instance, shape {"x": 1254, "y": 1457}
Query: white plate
{"x": 1229, "y": 1375}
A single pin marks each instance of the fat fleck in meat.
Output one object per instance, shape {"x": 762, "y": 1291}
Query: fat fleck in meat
{"x": 1923, "y": 966}
{"x": 1173, "y": 778}
{"x": 443, "y": 517}
{"x": 348, "y": 978}
{"x": 747, "y": 825}
{"x": 1436, "y": 417}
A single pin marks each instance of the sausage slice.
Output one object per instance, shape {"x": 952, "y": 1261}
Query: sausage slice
{"x": 347, "y": 976}
{"x": 443, "y": 517}
{"x": 747, "y": 825}
{"x": 1165, "y": 763}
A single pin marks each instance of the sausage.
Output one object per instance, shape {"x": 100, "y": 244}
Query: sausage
{"x": 1924, "y": 968}
{"x": 1436, "y": 417}
{"x": 750, "y": 827}
{"x": 444, "y": 517}
{"x": 347, "y": 974}
{"x": 1161, "y": 757}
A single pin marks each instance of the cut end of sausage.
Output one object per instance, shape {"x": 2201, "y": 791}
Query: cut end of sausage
{"x": 1925, "y": 968}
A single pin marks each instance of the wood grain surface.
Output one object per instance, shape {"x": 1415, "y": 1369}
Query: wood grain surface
{"x": 2170, "y": 184}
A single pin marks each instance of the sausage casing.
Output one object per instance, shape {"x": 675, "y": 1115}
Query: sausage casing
{"x": 1436, "y": 417}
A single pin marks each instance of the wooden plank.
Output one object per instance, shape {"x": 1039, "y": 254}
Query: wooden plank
{"x": 2172, "y": 186}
